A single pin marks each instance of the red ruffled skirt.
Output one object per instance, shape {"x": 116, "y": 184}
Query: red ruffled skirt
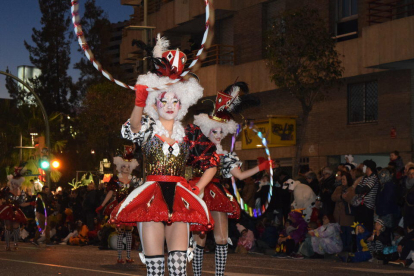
{"x": 110, "y": 207}
{"x": 12, "y": 212}
{"x": 219, "y": 199}
{"x": 162, "y": 200}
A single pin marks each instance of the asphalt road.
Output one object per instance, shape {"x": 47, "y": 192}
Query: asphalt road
{"x": 88, "y": 260}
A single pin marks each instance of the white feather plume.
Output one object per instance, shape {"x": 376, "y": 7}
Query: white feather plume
{"x": 162, "y": 45}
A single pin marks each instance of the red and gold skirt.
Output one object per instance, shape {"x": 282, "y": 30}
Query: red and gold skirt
{"x": 163, "y": 199}
{"x": 12, "y": 212}
{"x": 219, "y": 199}
{"x": 110, "y": 208}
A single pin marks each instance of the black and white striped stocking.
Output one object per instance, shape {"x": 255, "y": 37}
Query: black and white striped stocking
{"x": 7, "y": 235}
{"x": 177, "y": 263}
{"x": 120, "y": 244}
{"x": 155, "y": 265}
{"x": 128, "y": 236}
{"x": 221, "y": 258}
{"x": 16, "y": 235}
{"x": 198, "y": 260}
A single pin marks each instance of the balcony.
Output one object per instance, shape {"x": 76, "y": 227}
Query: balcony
{"x": 153, "y": 7}
{"x": 216, "y": 54}
{"x": 380, "y": 11}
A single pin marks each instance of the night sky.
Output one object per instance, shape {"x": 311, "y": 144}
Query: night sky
{"x": 18, "y": 17}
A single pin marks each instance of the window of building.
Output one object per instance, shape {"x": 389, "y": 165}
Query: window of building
{"x": 347, "y": 19}
{"x": 363, "y": 102}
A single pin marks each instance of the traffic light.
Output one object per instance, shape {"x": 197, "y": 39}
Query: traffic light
{"x": 55, "y": 164}
{"x": 44, "y": 164}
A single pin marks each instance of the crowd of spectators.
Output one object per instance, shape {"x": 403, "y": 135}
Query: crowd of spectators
{"x": 67, "y": 216}
{"x": 362, "y": 213}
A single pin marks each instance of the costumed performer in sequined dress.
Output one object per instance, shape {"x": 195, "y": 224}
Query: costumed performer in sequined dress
{"x": 13, "y": 197}
{"x": 219, "y": 200}
{"x": 165, "y": 205}
{"x": 118, "y": 188}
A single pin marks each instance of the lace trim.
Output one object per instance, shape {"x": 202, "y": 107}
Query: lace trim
{"x": 178, "y": 132}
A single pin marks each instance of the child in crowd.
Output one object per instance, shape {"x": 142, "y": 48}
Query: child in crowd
{"x": 295, "y": 236}
{"x": 378, "y": 240}
{"x": 362, "y": 254}
{"x": 246, "y": 240}
{"x": 82, "y": 235}
{"x": 315, "y": 212}
{"x": 281, "y": 245}
{"x": 405, "y": 249}
{"x": 326, "y": 239}
{"x": 306, "y": 248}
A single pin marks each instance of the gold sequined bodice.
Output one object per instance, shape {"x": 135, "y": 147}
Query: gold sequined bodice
{"x": 158, "y": 163}
{"x": 197, "y": 172}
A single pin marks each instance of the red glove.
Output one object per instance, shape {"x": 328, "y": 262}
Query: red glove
{"x": 33, "y": 203}
{"x": 195, "y": 190}
{"x": 141, "y": 95}
{"x": 264, "y": 164}
{"x": 97, "y": 210}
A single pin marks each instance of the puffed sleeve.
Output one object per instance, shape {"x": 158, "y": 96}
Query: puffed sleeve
{"x": 112, "y": 185}
{"x": 22, "y": 198}
{"x": 202, "y": 151}
{"x": 229, "y": 161}
{"x": 147, "y": 128}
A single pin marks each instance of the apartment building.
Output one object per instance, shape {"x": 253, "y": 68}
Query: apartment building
{"x": 368, "y": 114}
{"x": 125, "y": 71}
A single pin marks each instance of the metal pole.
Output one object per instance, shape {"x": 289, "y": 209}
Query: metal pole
{"x": 21, "y": 149}
{"x": 145, "y": 65}
{"x": 45, "y": 118}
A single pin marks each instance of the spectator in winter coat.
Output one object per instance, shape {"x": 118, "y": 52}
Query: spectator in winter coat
{"x": 366, "y": 192}
{"x": 386, "y": 203}
{"x": 343, "y": 213}
{"x": 327, "y": 189}
{"x": 408, "y": 211}
{"x": 399, "y": 165}
{"x": 312, "y": 181}
{"x": 90, "y": 203}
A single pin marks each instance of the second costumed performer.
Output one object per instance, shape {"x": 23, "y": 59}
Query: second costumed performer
{"x": 165, "y": 205}
{"x": 118, "y": 188}
{"x": 219, "y": 200}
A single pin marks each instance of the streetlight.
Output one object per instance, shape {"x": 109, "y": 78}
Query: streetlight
{"x": 55, "y": 164}
{"x": 42, "y": 108}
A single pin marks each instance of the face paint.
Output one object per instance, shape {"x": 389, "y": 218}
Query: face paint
{"x": 168, "y": 106}
{"x": 125, "y": 169}
{"x": 216, "y": 135}
{"x": 364, "y": 169}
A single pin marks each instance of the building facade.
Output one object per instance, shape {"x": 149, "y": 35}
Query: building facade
{"x": 368, "y": 114}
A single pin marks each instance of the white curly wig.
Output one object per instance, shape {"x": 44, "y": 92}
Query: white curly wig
{"x": 206, "y": 124}
{"x": 188, "y": 92}
{"x": 119, "y": 161}
{"x": 15, "y": 182}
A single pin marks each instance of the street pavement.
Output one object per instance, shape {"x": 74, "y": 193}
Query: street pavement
{"x": 88, "y": 260}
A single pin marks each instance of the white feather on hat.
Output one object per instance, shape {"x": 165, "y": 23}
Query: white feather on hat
{"x": 162, "y": 45}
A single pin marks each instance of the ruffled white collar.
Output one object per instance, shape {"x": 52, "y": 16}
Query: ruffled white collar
{"x": 219, "y": 149}
{"x": 178, "y": 132}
